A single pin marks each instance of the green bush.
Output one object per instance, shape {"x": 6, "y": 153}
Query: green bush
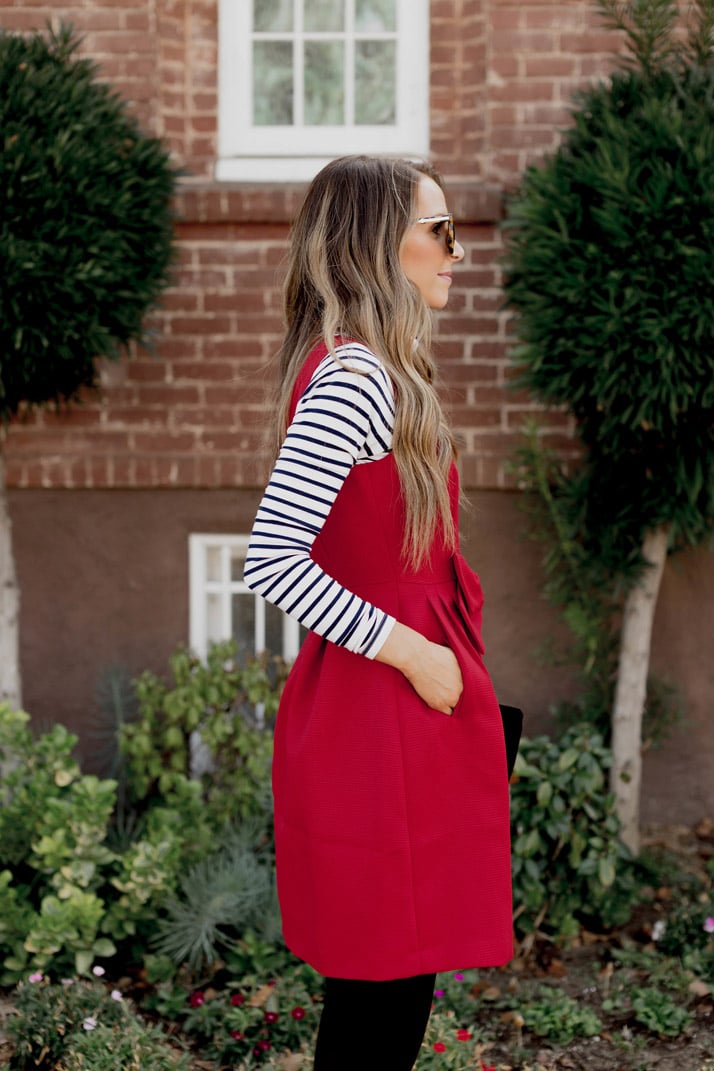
{"x": 688, "y": 932}
{"x": 559, "y": 1018}
{"x": 86, "y": 232}
{"x": 569, "y": 866}
{"x": 210, "y": 705}
{"x": 53, "y": 824}
{"x": 72, "y": 892}
{"x": 82, "y": 1026}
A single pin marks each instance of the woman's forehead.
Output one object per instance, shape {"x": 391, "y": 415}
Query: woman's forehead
{"x": 430, "y": 198}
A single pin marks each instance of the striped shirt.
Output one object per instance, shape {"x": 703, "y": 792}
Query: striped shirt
{"x": 342, "y": 419}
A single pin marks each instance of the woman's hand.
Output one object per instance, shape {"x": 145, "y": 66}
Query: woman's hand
{"x": 432, "y": 670}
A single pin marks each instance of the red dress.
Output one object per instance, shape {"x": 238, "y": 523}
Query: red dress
{"x": 391, "y": 819}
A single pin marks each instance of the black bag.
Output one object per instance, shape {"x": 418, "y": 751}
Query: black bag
{"x": 512, "y": 718}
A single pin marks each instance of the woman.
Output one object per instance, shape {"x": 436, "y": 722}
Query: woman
{"x": 389, "y": 775}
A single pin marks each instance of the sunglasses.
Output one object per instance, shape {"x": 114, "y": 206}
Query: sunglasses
{"x": 450, "y": 232}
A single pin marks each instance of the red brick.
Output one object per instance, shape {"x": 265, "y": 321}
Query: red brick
{"x": 163, "y": 442}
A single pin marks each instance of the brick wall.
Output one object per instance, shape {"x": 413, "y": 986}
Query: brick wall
{"x": 193, "y": 414}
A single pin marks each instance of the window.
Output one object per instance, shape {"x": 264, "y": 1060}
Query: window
{"x": 303, "y": 81}
{"x": 221, "y": 606}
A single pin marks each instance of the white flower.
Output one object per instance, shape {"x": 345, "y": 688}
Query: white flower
{"x": 89, "y": 1023}
{"x": 66, "y": 981}
{"x": 98, "y": 971}
{"x": 116, "y": 995}
{"x": 658, "y": 930}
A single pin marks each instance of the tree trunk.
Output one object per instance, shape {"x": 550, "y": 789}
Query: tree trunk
{"x": 631, "y": 689}
{"x": 10, "y": 690}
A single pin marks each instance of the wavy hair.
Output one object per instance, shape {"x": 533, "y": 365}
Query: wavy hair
{"x": 345, "y": 280}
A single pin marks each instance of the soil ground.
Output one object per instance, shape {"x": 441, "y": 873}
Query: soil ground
{"x": 582, "y": 973}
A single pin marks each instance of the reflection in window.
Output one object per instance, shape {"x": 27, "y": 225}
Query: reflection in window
{"x": 273, "y": 15}
{"x": 324, "y": 83}
{"x": 273, "y": 83}
{"x": 322, "y": 15}
{"x": 371, "y": 15}
{"x": 375, "y": 86}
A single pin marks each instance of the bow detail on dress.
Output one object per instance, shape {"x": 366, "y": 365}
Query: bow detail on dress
{"x": 469, "y": 600}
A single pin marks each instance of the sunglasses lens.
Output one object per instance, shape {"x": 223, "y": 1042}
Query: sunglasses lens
{"x": 450, "y": 237}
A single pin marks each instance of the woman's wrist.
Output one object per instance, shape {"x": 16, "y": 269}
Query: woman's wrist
{"x": 403, "y": 649}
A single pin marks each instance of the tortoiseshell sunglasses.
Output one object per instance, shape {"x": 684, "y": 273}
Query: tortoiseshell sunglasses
{"x": 449, "y": 234}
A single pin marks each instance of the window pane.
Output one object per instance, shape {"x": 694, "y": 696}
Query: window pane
{"x": 237, "y": 562}
{"x": 375, "y": 15}
{"x": 273, "y": 630}
{"x": 213, "y": 563}
{"x": 272, "y": 83}
{"x": 324, "y": 83}
{"x": 213, "y": 619}
{"x": 272, "y": 15}
{"x": 243, "y": 614}
{"x": 322, "y": 15}
{"x": 375, "y": 63}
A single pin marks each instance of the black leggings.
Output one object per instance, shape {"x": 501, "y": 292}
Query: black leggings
{"x": 375, "y": 1025}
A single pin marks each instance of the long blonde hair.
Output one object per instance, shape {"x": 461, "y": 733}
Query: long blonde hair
{"x": 345, "y": 279}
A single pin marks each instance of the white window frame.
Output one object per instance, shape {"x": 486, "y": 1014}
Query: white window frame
{"x": 200, "y": 587}
{"x": 296, "y": 153}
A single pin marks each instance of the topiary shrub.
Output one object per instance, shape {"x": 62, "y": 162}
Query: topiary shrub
{"x": 86, "y": 229}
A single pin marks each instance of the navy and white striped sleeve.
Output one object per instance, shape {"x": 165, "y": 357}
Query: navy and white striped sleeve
{"x": 341, "y": 420}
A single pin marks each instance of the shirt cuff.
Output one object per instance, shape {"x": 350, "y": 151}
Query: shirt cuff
{"x": 381, "y": 638}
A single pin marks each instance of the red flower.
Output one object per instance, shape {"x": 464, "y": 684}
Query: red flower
{"x": 463, "y": 1035}
{"x": 439, "y": 1046}
{"x": 237, "y": 1035}
{"x": 490, "y": 1067}
{"x": 237, "y": 999}
{"x": 298, "y": 1013}
{"x": 264, "y": 1046}
{"x": 271, "y": 1017}
{"x": 196, "y": 999}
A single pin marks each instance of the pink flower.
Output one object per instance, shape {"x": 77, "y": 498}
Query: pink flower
{"x": 459, "y": 976}
{"x": 438, "y": 993}
{"x": 36, "y": 977}
{"x": 116, "y": 995}
{"x": 89, "y": 1023}
{"x": 298, "y": 1013}
{"x": 439, "y": 1046}
{"x": 709, "y": 924}
{"x": 98, "y": 972}
{"x": 237, "y": 999}
{"x": 197, "y": 999}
